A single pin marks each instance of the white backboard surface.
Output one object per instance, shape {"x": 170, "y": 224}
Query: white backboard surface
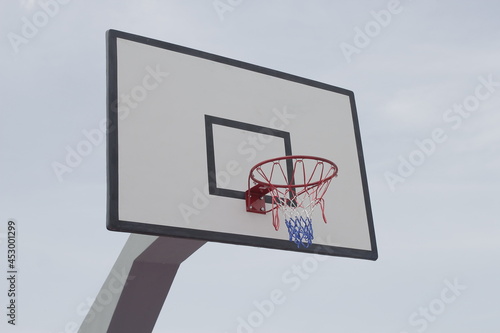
{"x": 185, "y": 127}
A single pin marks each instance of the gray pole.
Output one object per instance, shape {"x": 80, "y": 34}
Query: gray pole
{"x": 136, "y": 288}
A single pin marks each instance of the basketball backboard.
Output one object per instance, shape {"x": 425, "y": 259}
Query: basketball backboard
{"x": 185, "y": 127}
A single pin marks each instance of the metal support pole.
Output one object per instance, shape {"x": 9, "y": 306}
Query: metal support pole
{"x": 150, "y": 265}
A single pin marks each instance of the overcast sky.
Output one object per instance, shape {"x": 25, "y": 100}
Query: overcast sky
{"x": 426, "y": 76}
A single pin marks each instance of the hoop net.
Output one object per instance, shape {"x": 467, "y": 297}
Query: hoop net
{"x": 296, "y": 185}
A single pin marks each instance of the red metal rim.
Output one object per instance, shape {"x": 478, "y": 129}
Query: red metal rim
{"x": 294, "y": 157}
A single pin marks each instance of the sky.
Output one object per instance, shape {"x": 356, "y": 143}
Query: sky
{"x": 426, "y": 77}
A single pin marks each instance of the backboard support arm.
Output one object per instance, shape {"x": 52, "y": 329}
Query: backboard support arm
{"x": 150, "y": 270}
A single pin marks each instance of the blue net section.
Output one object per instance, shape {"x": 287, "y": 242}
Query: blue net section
{"x": 300, "y": 230}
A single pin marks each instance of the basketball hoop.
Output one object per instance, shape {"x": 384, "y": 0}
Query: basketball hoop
{"x": 296, "y": 185}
